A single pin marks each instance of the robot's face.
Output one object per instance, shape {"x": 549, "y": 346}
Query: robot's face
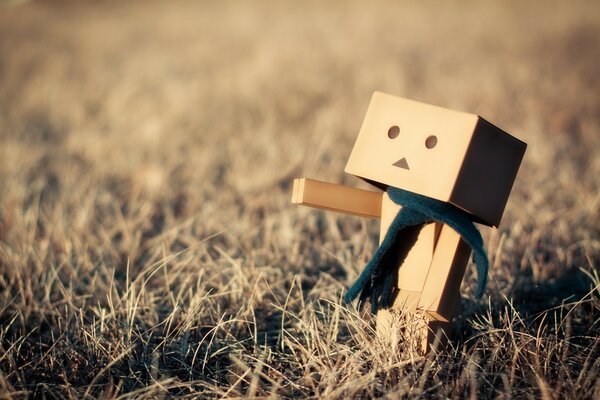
{"x": 412, "y": 146}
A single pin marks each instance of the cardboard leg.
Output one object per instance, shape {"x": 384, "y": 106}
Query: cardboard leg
{"x": 412, "y": 332}
{"x": 390, "y": 320}
{"x": 441, "y": 292}
{"x": 434, "y": 335}
{"x": 429, "y": 288}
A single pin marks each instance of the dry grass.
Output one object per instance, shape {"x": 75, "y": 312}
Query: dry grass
{"x": 147, "y": 244}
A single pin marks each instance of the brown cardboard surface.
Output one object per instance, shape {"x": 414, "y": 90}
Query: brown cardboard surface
{"x": 413, "y": 270}
{"x": 444, "y": 154}
{"x": 440, "y": 296}
{"x": 329, "y": 196}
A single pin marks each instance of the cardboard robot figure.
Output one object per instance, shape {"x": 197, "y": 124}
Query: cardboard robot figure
{"x": 440, "y": 170}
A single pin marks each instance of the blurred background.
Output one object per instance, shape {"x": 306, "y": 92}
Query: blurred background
{"x": 134, "y": 132}
{"x": 240, "y": 94}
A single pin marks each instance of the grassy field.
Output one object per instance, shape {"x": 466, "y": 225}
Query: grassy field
{"x": 147, "y": 243}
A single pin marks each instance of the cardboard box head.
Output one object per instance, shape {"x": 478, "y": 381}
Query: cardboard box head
{"x": 448, "y": 155}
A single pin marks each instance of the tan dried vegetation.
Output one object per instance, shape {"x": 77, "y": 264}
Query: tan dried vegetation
{"x": 147, "y": 243}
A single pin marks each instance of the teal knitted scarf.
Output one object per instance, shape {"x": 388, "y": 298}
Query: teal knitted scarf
{"x": 379, "y": 276}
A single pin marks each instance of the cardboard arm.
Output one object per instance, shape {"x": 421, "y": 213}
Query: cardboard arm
{"x": 329, "y": 196}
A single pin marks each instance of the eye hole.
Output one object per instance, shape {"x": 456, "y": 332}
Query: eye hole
{"x": 393, "y": 132}
{"x": 431, "y": 141}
